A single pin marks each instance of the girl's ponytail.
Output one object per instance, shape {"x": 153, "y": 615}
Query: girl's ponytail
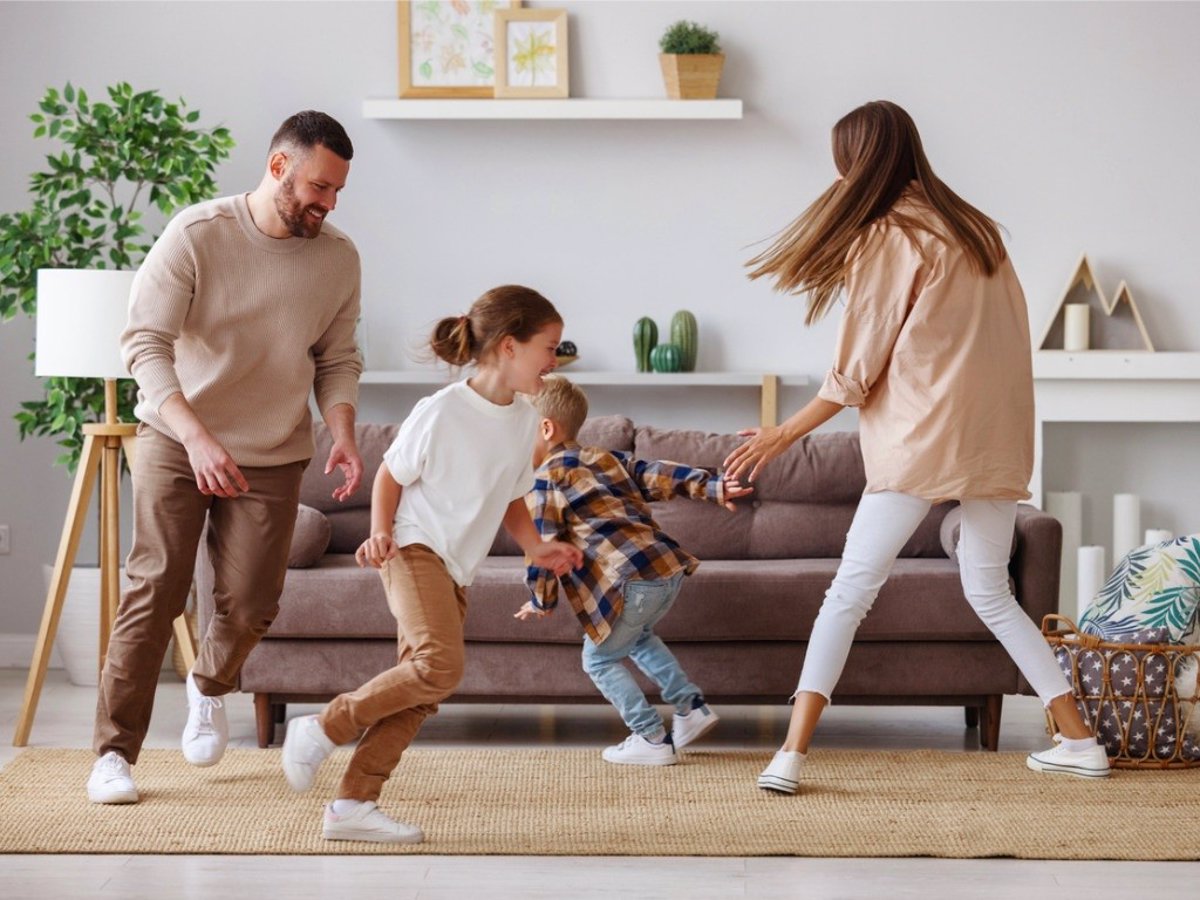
{"x": 452, "y": 342}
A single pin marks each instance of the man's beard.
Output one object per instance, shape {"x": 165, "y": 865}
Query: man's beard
{"x": 293, "y": 215}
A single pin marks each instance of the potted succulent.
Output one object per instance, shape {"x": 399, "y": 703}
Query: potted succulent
{"x": 691, "y": 61}
{"x": 131, "y": 153}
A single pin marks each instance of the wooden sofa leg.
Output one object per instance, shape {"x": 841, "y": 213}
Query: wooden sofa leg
{"x": 972, "y": 716}
{"x": 989, "y": 722}
{"x": 264, "y": 720}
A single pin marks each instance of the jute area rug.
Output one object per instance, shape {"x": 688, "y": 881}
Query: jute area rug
{"x": 569, "y": 802}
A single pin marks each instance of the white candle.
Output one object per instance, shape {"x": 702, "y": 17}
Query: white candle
{"x": 1157, "y": 536}
{"x": 1067, "y": 507}
{"x": 1075, "y": 326}
{"x": 1091, "y": 577}
{"x": 1127, "y": 524}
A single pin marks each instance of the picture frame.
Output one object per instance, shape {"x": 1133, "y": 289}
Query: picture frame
{"x": 446, "y": 47}
{"x": 531, "y": 53}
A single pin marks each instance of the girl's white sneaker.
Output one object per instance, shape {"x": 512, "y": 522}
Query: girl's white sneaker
{"x": 367, "y": 823}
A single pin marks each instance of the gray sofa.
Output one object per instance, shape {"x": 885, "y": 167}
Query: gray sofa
{"x": 739, "y": 627}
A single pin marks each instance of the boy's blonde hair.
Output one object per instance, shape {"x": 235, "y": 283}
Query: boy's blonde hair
{"x": 564, "y": 403}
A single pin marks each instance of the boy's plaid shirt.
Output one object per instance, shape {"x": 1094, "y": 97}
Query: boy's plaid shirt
{"x": 599, "y": 501}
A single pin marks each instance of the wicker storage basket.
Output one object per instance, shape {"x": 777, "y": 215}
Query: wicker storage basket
{"x": 1139, "y": 699}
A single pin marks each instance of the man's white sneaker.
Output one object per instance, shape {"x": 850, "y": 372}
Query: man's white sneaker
{"x": 305, "y": 747}
{"x": 635, "y": 750}
{"x": 111, "y": 781}
{"x": 697, "y": 723}
{"x": 1089, "y": 763}
{"x": 783, "y": 773}
{"x": 207, "y": 731}
{"x": 366, "y": 823}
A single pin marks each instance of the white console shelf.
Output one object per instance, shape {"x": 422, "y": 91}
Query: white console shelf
{"x": 572, "y": 108}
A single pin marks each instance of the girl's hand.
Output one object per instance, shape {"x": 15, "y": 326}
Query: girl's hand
{"x": 557, "y": 556}
{"x": 376, "y": 550}
{"x": 733, "y": 490}
{"x": 764, "y": 445}
{"x": 529, "y": 611}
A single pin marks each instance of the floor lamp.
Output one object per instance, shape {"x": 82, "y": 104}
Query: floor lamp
{"x": 80, "y": 316}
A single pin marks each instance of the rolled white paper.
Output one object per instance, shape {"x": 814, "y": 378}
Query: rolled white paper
{"x": 1076, "y": 317}
{"x": 1157, "y": 536}
{"x": 1091, "y": 577}
{"x": 1067, "y": 507}
{"x": 1127, "y": 524}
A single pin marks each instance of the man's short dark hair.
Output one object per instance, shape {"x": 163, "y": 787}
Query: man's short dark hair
{"x": 311, "y": 128}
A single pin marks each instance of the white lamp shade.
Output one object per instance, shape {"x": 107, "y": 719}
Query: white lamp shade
{"x": 80, "y": 316}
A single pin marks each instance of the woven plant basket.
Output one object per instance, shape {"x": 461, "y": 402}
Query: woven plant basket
{"x": 1140, "y": 700}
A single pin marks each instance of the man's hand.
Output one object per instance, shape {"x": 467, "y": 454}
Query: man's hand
{"x": 376, "y": 550}
{"x": 732, "y": 491}
{"x": 557, "y": 556}
{"x": 529, "y": 611}
{"x": 344, "y": 455}
{"x": 216, "y": 472}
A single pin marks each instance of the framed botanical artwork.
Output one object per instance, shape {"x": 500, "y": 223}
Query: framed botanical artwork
{"x": 446, "y": 47}
{"x": 531, "y": 53}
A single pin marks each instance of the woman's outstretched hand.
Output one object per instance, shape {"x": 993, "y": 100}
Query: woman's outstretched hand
{"x": 764, "y": 445}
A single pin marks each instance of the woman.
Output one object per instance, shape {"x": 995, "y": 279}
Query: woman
{"x": 934, "y": 350}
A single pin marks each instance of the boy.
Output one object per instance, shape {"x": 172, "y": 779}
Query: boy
{"x": 631, "y": 572}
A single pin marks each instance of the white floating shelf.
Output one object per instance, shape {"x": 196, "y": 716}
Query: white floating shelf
{"x": 1111, "y": 365}
{"x": 574, "y": 108}
{"x": 617, "y": 379}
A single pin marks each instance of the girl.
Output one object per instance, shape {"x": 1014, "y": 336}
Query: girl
{"x": 460, "y": 465}
{"x": 934, "y": 348}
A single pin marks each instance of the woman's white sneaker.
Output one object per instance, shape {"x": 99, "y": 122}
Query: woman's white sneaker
{"x": 1088, "y": 763}
{"x": 111, "y": 781}
{"x": 366, "y": 823}
{"x": 305, "y": 747}
{"x": 635, "y": 750}
{"x": 783, "y": 773}
{"x": 206, "y": 733}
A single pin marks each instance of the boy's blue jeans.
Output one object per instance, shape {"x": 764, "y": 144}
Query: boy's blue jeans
{"x": 632, "y": 636}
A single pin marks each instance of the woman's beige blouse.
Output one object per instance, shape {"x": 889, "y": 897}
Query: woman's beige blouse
{"x": 937, "y": 357}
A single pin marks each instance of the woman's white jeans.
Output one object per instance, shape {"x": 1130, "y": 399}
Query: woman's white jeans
{"x": 882, "y": 526}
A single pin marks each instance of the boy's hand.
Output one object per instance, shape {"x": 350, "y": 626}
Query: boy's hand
{"x": 529, "y": 611}
{"x": 557, "y": 556}
{"x": 733, "y": 490}
{"x": 376, "y": 550}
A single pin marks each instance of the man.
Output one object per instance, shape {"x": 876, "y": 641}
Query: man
{"x": 244, "y": 306}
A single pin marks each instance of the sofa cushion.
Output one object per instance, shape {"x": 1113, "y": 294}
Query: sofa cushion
{"x": 310, "y": 538}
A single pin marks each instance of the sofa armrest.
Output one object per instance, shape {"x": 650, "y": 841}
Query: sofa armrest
{"x": 1036, "y": 564}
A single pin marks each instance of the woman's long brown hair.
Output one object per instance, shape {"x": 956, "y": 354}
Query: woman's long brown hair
{"x": 878, "y": 153}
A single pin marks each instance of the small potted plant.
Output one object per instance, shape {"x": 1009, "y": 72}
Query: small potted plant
{"x": 691, "y": 61}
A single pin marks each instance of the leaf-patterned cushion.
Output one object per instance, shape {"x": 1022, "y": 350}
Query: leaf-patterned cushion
{"x": 1153, "y": 587}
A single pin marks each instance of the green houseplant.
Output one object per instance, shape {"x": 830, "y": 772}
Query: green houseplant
{"x": 691, "y": 61}
{"x": 119, "y": 158}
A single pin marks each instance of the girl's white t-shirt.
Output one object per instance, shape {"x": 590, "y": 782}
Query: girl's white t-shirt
{"x": 461, "y": 460}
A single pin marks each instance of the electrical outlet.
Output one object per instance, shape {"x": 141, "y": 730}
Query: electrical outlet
{"x": 5, "y": 541}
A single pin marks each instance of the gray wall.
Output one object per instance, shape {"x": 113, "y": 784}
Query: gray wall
{"x": 1073, "y": 124}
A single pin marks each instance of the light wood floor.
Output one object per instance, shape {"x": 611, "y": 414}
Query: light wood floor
{"x": 65, "y": 720}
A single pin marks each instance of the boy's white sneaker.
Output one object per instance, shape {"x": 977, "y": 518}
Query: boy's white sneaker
{"x": 783, "y": 773}
{"x": 1089, "y": 763}
{"x": 693, "y": 726}
{"x": 111, "y": 781}
{"x": 305, "y": 747}
{"x": 635, "y": 750}
{"x": 366, "y": 823}
{"x": 207, "y": 732}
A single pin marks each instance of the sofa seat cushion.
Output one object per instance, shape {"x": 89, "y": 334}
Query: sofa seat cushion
{"x": 749, "y": 600}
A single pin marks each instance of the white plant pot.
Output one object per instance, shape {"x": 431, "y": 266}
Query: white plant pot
{"x": 78, "y": 639}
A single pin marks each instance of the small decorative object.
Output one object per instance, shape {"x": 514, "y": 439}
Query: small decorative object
{"x": 446, "y": 47}
{"x": 684, "y": 336}
{"x": 645, "y": 338}
{"x": 566, "y": 353}
{"x": 1067, "y": 507}
{"x": 691, "y": 61}
{"x": 1090, "y": 578}
{"x": 1113, "y": 325}
{"x": 531, "y": 53}
{"x": 1075, "y": 327}
{"x": 1127, "y": 524}
{"x": 666, "y": 358}
{"x": 1157, "y": 536}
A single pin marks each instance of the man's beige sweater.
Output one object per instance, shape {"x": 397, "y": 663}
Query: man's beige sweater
{"x": 245, "y": 326}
